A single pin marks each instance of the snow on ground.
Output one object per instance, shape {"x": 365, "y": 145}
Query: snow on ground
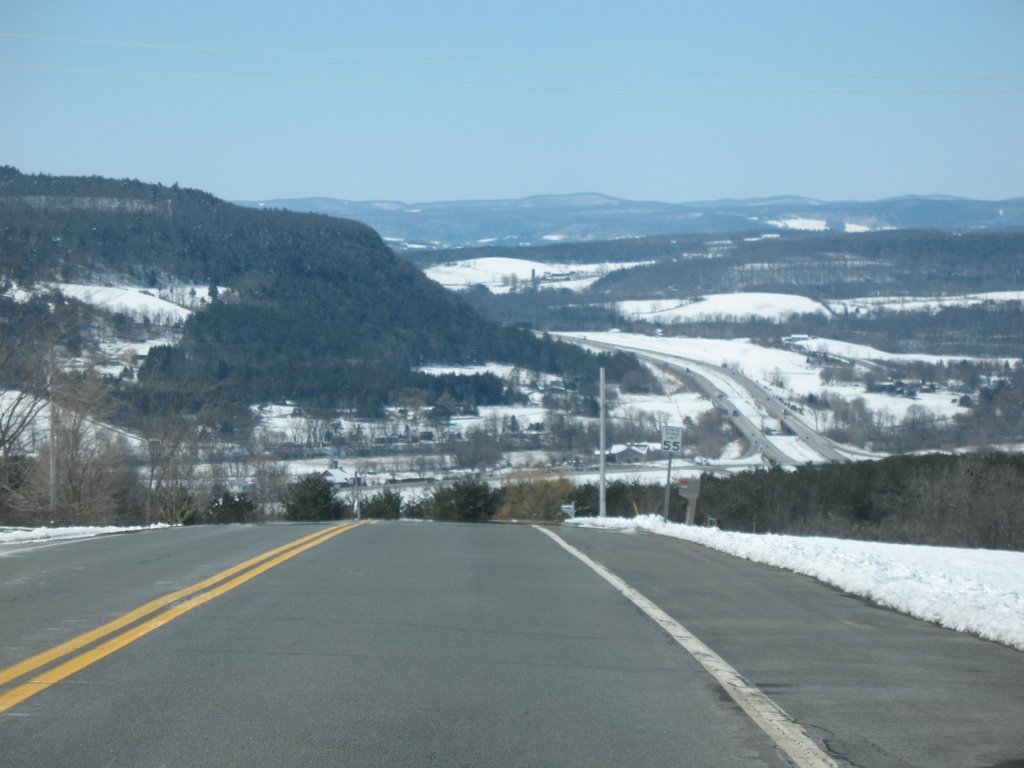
{"x": 26, "y": 535}
{"x": 524, "y": 415}
{"x": 762, "y": 363}
{"x": 921, "y": 304}
{"x": 807, "y": 225}
{"x": 798, "y": 375}
{"x": 502, "y": 274}
{"x": 494, "y": 272}
{"x": 17, "y": 407}
{"x": 796, "y": 449}
{"x": 133, "y": 301}
{"x": 646, "y": 474}
{"x": 968, "y": 590}
{"x": 852, "y": 351}
{"x": 172, "y": 303}
{"x": 672, "y": 408}
{"x": 742, "y": 306}
{"x": 500, "y": 370}
{"x": 126, "y": 353}
{"x": 942, "y": 405}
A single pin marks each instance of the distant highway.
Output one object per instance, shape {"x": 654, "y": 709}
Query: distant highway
{"x": 412, "y": 644}
{"x": 744, "y": 402}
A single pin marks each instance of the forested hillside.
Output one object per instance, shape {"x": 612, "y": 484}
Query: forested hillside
{"x": 838, "y": 265}
{"x": 317, "y": 309}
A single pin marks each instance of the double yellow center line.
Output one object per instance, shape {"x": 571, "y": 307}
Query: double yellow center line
{"x": 136, "y": 624}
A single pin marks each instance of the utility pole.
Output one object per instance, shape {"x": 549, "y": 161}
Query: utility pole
{"x": 53, "y": 460}
{"x": 601, "y": 499}
{"x": 53, "y": 441}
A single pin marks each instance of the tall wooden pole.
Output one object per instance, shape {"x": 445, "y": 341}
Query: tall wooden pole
{"x": 601, "y": 505}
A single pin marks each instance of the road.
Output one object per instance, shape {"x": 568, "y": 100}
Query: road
{"x": 744, "y": 401}
{"x": 418, "y": 644}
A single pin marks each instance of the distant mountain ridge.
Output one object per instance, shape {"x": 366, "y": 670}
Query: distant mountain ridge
{"x": 543, "y": 219}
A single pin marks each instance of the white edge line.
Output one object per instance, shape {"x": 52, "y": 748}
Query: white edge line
{"x": 769, "y": 716}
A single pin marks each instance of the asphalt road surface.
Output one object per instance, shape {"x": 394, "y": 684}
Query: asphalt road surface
{"x": 417, "y": 644}
{"x": 698, "y": 371}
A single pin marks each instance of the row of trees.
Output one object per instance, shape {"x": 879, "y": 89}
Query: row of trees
{"x": 840, "y": 265}
{"x": 472, "y": 500}
{"x": 972, "y": 500}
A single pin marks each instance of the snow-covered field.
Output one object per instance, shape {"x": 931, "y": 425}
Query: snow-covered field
{"x": 921, "y": 304}
{"x": 799, "y": 223}
{"x": 980, "y": 591}
{"x": 780, "y": 306}
{"x": 502, "y": 275}
{"x": 851, "y": 351}
{"x": 739, "y": 306}
{"x": 127, "y": 300}
{"x": 742, "y": 307}
{"x": 173, "y": 304}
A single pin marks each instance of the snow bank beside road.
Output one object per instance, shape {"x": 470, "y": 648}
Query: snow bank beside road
{"x": 980, "y": 591}
{"x": 26, "y": 535}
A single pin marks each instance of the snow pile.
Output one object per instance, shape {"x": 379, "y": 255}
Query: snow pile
{"x": 26, "y": 535}
{"x": 980, "y": 591}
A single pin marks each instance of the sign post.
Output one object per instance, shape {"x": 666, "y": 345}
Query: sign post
{"x": 672, "y": 443}
{"x": 689, "y": 489}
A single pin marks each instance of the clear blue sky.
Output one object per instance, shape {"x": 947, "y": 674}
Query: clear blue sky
{"x": 407, "y": 100}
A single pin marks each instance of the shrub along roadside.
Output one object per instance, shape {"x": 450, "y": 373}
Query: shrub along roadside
{"x": 312, "y": 498}
{"x": 964, "y": 501}
{"x": 227, "y": 507}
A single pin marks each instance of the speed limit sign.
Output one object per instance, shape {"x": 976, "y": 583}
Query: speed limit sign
{"x": 672, "y": 439}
